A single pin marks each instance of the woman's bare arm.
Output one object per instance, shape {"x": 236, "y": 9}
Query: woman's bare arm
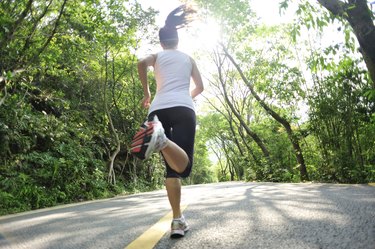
{"x": 143, "y": 64}
{"x": 197, "y": 79}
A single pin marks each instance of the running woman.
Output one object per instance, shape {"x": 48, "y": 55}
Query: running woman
{"x": 171, "y": 123}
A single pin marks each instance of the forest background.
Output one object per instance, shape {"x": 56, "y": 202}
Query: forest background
{"x": 281, "y": 103}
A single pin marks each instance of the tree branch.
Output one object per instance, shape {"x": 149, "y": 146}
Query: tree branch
{"x": 336, "y": 7}
{"x": 53, "y": 31}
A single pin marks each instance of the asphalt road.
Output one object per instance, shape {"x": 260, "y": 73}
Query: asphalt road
{"x": 225, "y": 215}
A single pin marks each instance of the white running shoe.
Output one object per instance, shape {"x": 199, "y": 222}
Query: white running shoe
{"x": 149, "y": 139}
{"x": 179, "y": 227}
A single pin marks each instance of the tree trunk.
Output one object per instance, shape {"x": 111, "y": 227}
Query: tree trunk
{"x": 360, "y": 18}
{"x": 111, "y": 173}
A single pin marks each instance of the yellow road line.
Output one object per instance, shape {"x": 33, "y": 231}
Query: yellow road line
{"x": 152, "y": 236}
{"x": 371, "y": 184}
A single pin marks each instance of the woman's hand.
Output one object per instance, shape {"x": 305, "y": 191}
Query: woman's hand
{"x": 146, "y": 101}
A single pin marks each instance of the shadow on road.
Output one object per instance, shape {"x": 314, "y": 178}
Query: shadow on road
{"x": 272, "y": 215}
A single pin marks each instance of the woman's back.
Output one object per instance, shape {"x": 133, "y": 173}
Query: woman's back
{"x": 172, "y": 73}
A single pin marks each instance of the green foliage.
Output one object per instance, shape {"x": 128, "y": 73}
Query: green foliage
{"x": 202, "y": 171}
{"x": 47, "y": 160}
{"x": 334, "y": 89}
{"x": 61, "y": 60}
{"x": 341, "y": 120}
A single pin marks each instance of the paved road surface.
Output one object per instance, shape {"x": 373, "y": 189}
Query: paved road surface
{"x": 225, "y": 215}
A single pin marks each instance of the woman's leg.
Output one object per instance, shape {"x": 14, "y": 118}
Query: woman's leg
{"x": 176, "y": 157}
{"x": 179, "y": 126}
{"x": 173, "y": 186}
{"x": 177, "y": 160}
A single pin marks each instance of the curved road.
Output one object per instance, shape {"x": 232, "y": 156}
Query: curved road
{"x": 224, "y": 215}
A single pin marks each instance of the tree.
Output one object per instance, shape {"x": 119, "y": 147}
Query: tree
{"x": 356, "y": 13}
{"x": 220, "y": 141}
{"x": 340, "y": 108}
{"x": 285, "y": 123}
{"x": 361, "y": 19}
{"x": 339, "y": 118}
{"x": 224, "y": 81}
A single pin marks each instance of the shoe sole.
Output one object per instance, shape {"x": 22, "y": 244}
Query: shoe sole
{"x": 176, "y": 234}
{"x": 151, "y": 144}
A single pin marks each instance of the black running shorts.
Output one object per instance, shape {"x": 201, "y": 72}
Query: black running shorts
{"x": 179, "y": 126}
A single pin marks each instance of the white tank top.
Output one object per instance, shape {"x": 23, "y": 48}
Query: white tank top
{"x": 172, "y": 71}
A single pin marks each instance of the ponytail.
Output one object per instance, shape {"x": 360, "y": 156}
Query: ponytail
{"x": 178, "y": 18}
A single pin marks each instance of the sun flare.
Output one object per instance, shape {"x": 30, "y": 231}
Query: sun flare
{"x": 202, "y": 35}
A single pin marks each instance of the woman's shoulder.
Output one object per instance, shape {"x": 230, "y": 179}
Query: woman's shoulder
{"x": 177, "y": 54}
{"x": 182, "y": 53}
